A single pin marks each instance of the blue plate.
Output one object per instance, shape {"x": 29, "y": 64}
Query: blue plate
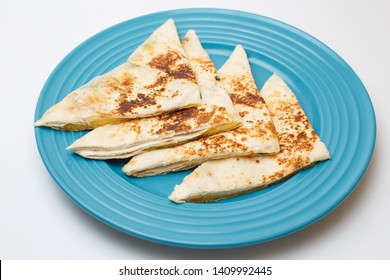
{"x": 331, "y": 94}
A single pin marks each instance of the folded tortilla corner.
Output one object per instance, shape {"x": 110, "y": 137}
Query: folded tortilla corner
{"x": 157, "y": 78}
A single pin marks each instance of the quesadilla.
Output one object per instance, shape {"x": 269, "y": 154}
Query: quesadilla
{"x": 256, "y": 135}
{"x": 129, "y": 138}
{"x": 157, "y": 78}
{"x": 300, "y": 147}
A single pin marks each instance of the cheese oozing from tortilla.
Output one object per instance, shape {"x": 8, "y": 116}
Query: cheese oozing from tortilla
{"x": 256, "y": 135}
{"x": 215, "y": 114}
{"x": 300, "y": 147}
{"x": 157, "y": 78}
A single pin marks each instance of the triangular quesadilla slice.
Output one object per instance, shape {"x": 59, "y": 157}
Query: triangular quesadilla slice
{"x": 129, "y": 138}
{"x": 256, "y": 135}
{"x": 157, "y": 78}
{"x": 300, "y": 148}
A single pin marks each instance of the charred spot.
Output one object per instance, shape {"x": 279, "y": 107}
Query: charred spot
{"x": 217, "y": 78}
{"x": 204, "y": 117}
{"x": 177, "y": 121}
{"x": 219, "y": 119}
{"x": 298, "y": 162}
{"x": 299, "y": 117}
{"x": 244, "y": 84}
{"x": 176, "y": 127}
{"x": 247, "y": 99}
{"x": 302, "y": 136}
{"x": 304, "y": 146}
{"x": 183, "y": 71}
{"x": 218, "y": 143}
{"x": 215, "y": 116}
{"x": 142, "y": 100}
{"x": 180, "y": 115}
{"x": 243, "y": 114}
{"x": 168, "y": 63}
{"x": 165, "y": 62}
{"x": 259, "y": 130}
{"x": 159, "y": 83}
{"x": 242, "y": 130}
{"x": 278, "y": 174}
{"x": 282, "y": 160}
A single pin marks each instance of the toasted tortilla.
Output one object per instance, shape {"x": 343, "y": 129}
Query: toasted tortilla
{"x": 256, "y": 135}
{"x": 157, "y": 78}
{"x": 300, "y": 147}
{"x": 130, "y": 138}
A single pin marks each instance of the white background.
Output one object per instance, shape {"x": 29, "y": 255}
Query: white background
{"x": 38, "y": 221}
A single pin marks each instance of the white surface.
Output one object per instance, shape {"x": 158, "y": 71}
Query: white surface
{"x": 38, "y": 221}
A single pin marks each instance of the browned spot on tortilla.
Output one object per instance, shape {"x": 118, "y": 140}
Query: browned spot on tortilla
{"x": 215, "y": 144}
{"x": 205, "y": 64}
{"x": 243, "y": 113}
{"x": 183, "y": 71}
{"x": 299, "y": 117}
{"x": 276, "y": 176}
{"x": 217, "y": 118}
{"x": 271, "y": 127}
{"x": 259, "y": 130}
{"x": 159, "y": 84}
{"x": 168, "y": 63}
{"x": 194, "y": 117}
{"x": 122, "y": 84}
{"x": 177, "y": 121}
{"x": 130, "y": 126}
{"x": 142, "y": 100}
{"x": 299, "y": 162}
{"x": 244, "y": 91}
{"x": 204, "y": 117}
{"x": 174, "y": 126}
{"x": 248, "y": 99}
